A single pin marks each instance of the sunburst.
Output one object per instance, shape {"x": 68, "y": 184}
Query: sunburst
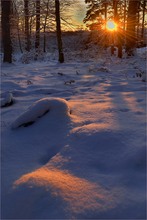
{"x": 111, "y": 26}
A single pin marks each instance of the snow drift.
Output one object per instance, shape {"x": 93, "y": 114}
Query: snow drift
{"x": 57, "y": 106}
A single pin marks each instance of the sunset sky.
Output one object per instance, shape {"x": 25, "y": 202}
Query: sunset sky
{"x": 78, "y": 12}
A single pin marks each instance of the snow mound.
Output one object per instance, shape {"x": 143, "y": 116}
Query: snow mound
{"x": 80, "y": 194}
{"x": 6, "y": 99}
{"x": 57, "y": 106}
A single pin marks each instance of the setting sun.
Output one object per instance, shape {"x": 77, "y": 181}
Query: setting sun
{"x": 111, "y": 26}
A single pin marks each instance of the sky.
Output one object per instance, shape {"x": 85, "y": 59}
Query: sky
{"x": 79, "y": 13}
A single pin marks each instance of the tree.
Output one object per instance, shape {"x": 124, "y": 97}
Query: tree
{"x": 115, "y": 15}
{"x": 143, "y": 17}
{"x": 16, "y": 20}
{"x": 6, "y": 30}
{"x": 58, "y": 29}
{"x": 96, "y": 9}
{"x": 37, "y": 41}
{"x": 119, "y": 33}
{"x": 131, "y": 25}
{"x": 45, "y": 17}
{"x": 27, "y": 32}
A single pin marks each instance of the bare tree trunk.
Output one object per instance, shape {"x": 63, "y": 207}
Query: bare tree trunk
{"x": 120, "y": 44}
{"x": 18, "y": 30}
{"x": 115, "y": 3}
{"x": 143, "y": 18}
{"x": 44, "y": 39}
{"x": 131, "y": 25}
{"x": 44, "y": 27}
{"x": 138, "y": 25}
{"x": 58, "y": 29}
{"x": 125, "y": 6}
{"x": 115, "y": 19}
{"x": 19, "y": 39}
{"x": 37, "y": 41}
{"x": 119, "y": 37}
{"x": 6, "y": 30}
{"x": 27, "y": 34}
{"x": 106, "y": 5}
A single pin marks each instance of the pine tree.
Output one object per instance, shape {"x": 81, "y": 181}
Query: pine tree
{"x": 96, "y": 9}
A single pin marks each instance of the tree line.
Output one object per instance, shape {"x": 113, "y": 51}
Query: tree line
{"x": 128, "y": 14}
{"x": 34, "y": 18}
{"x": 30, "y": 18}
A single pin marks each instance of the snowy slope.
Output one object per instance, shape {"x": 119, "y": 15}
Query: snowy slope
{"x": 84, "y": 157}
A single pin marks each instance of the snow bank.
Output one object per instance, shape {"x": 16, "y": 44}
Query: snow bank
{"x": 58, "y": 106}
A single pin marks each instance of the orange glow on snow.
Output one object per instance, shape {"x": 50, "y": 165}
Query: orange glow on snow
{"x": 94, "y": 122}
{"x": 111, "y": 26}
{"x": 131, "y": 102}
{"x": 79, "y": 193}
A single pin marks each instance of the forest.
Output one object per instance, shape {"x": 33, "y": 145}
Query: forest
{"x": 25, "y": 23}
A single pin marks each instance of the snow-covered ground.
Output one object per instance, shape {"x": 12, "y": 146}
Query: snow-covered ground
{"x": 73, "y": 139}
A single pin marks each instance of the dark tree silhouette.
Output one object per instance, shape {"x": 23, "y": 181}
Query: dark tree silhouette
{"x": 27, "y": 34}
{"x": 58, "y": 29}
{"x": 37, "y": 41}
{"x": 45, "y": 25}
{"x": 144, "y": 3}
{"x": 131, "y": 25}
{"x": 119, "y": 33}
{"x": 6, "y": 30}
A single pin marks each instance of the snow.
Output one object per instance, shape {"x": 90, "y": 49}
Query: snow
{"x": 6, "y": 99}
{"x": 40, "y": 108}
{"x": 84, "y": 157}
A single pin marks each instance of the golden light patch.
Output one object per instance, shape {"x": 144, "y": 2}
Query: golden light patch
{"x": 79, "y": 193}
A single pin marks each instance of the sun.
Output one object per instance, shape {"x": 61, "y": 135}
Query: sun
{"x": 111, "y": 26}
